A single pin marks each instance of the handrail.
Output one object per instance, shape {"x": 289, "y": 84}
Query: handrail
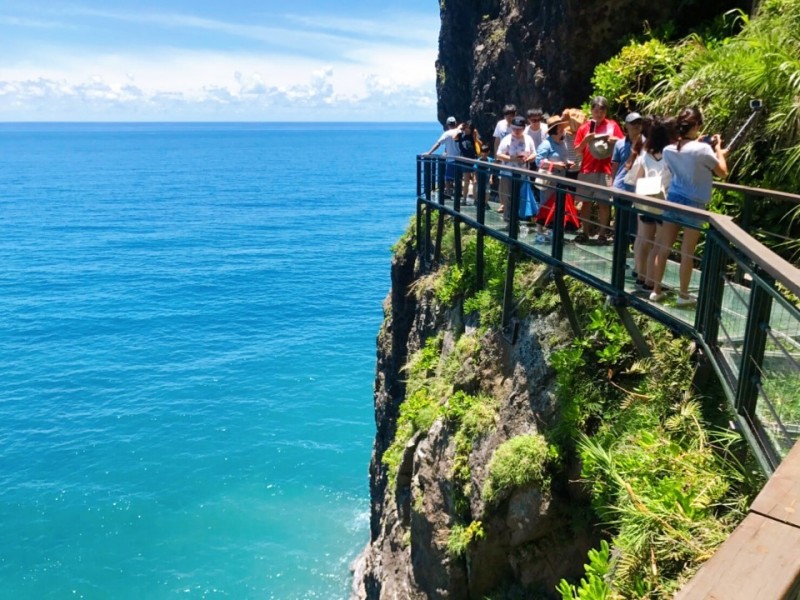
{"x": 745, "y": 324}
{"x": 781, "y": 269}
{"x": 762, "y": 193}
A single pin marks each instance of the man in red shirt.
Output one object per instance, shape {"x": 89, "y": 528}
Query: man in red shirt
{"x": 594, "y": 141}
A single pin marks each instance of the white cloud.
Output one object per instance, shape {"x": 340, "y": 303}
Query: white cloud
{"x": 248, "y": 96}
{"x": 364, "y": 69}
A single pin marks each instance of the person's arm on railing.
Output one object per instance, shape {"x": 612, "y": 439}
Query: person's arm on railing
{"x": 433, "y": 149}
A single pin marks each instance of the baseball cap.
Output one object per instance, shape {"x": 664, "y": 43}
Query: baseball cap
{"x": 451, "y": 121}
{"x": 633, "y": 117}
{"x": 518, "y": 121}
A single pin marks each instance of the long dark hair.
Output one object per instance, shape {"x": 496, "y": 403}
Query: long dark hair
{"x": 687, "y": 119}
{"x": 476, "y": 135}
{"x": 662, "y": 133}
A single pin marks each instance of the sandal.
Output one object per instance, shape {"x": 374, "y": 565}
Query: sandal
{"x": 581, "y": 238}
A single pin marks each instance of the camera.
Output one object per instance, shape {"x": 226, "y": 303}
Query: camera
{"x": 756, "y": 104}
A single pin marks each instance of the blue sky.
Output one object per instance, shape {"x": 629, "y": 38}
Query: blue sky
{"x": 240, "y": 60}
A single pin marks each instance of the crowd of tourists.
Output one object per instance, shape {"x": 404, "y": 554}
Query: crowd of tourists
{"x": 664, "y": 157}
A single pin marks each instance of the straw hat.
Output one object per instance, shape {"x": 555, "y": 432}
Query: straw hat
{"x": 554, "y": 122}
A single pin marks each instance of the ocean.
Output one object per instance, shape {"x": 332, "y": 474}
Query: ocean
{"x": 188, "y": 316}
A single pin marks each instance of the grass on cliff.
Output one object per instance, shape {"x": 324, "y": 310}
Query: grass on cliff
{"x": 430, "y": 395}
{"x": 667, "y": 484}
{"x": 522, "y": 460}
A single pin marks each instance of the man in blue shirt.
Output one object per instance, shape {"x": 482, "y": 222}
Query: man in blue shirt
{"x": 633, "y": 140}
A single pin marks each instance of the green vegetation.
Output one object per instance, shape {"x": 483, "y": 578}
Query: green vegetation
{"x": 668, "y": 485}
{"x": 454, "y": 281}
{"x": 520, "y": 461}
{"x": 594, "y": 586}
{"x": 720, "y": 72}
{"x": 628, "y": 78}
{"x": 461, "y": 537}
{"x": 417, "y": 413}
{"x": 470, "y": 417}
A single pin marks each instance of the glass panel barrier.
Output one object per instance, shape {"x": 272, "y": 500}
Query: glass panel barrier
{"x": 778, "y": 407}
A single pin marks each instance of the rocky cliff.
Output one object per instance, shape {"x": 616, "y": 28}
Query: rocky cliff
{"x": 542, "y": 53}
{"x": 528, "y": 539}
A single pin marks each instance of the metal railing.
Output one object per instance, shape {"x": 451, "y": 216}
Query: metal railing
{"x": 745, "y": 319}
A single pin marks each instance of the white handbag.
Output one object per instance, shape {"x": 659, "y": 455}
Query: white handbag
{"x": 650, "y": 185}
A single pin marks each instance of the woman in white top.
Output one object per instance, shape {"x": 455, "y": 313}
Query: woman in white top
{"x": 693, "y": 165}
{"x": 650, "y": 164}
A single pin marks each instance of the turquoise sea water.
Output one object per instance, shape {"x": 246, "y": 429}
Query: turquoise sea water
{"x": 187, "y": 325}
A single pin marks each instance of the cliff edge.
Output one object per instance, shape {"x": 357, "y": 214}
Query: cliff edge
{"x": 437, "y": 531}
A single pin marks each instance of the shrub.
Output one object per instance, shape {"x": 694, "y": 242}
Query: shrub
{"x": 627, "y": 79}
{"x": 520, "y": 461}
{"x": 594, "y": 586}
{"x": 471, "y": 417}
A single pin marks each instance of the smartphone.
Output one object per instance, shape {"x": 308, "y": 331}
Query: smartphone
{"x": 592, "y": 126}
{"x": 708, "y": 139}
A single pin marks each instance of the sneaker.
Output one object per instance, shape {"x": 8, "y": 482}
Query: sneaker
{"x": 657, "y": 297}
{"x": 541, "y": 239}
{"x": 642, "y": 289}
{"x": 682, "y": 302}
{"x": 602, "y": 240}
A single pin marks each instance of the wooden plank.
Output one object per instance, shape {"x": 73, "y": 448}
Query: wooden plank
{"x": 761, "y": 560}
{"x": 780, "y": 498}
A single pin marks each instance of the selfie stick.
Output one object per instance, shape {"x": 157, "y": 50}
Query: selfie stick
{"x": 738, "y": 134}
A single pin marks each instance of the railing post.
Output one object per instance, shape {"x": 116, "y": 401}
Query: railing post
{"x": 419, "y": 177}
{"x": 483, "y": 180}
{"x": 431, "y": 170}
{"x": 621, "y": 242}
{"x": 513, "y": 206}
{"x": 440, "y": 172}
{"x": 457, "y": 192}
{"x": 558, "y": 223}
{"x": 755, "y": 341}
{"x": 712, "y": 286}
{"x": 418, "y": 220}
{"x": 511, "y": 263}
{"x": 437, "y": 250}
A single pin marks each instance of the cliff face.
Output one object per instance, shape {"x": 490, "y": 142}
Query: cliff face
{"x": 530, "y": 540}
{"x": 541, "y": 53}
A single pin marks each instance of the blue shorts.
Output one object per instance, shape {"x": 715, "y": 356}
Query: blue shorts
{"x": 680, "y": 217}
{"x": 450, "y": 171}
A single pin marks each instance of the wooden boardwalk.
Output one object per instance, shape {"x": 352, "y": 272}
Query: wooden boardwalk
{"x": 761, "y": 558}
